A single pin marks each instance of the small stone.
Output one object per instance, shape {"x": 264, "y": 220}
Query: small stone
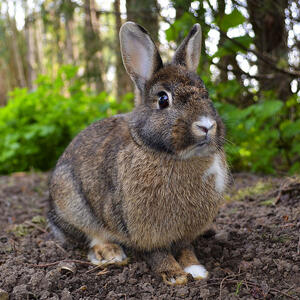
{"x": 248, "y": 256}
{"x": 183, "y": 292}
{"x": 36, "y": 278}
{"x": 148, "y": 287}
{"x": 295, "y": 269}
{"x": 193, "y": 291}
{"x": 122, "y": 278}
{"x": 204, "y": 293}
{"x": 222, "y": 236}
{"x": 44, "y": 295}
{"x": 287, "y": 266}
{"x": 11, "y": 280}
{"x": 256, "y": 262}
{"x": 111, "y": 295}
{"x": 132, "y": 281}
{"x": 4, "y": 295}
{"x": 244, "y": 265}
{"x": 20, "y": 291}
{"x": 66, "y": 295}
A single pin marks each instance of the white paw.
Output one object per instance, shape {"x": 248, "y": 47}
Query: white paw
{"x": 94, "y": 260}
{"x": 117, "y": 259}
{"x": 197, "y": 271}
{"x": 173, "y": 280}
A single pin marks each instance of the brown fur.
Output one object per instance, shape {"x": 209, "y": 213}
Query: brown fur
{"x": 129, "y": 179}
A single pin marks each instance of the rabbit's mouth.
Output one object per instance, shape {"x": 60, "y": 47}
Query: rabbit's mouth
{"x": 202, "y": 143}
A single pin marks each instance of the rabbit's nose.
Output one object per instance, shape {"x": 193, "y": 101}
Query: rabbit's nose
{"x": 203, "y": 126}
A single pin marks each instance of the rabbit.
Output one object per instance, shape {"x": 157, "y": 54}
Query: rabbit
{"x": 151, "y": 180}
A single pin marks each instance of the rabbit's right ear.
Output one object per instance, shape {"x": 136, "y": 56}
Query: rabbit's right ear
{"x": 140, "y": 56}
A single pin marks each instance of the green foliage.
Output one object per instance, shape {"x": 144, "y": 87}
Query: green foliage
{"x": 261, "y": 139}
{"x": 227, "y": 21}
{"x": 238, "y": 44}
{"x": 35, "y": 127}
{"x": 181, "y": 27}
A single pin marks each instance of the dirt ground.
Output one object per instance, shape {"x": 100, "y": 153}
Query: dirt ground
{"x": 253, "y": 255}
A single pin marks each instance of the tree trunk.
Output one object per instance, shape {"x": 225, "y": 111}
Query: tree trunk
{"x": 68, "y": 14}
{"x": 16, "y": 51}
{"x": 124, "y": 84}
{"x": 225, "y": 60}
{"x": 38, "y": 34}
{"x": 93, "y": 47}
{"x": 145, "y": 13}
{"x": 30, "y": 57}
{"x": 268, "y": 22}
{"x": 3, "y": 86}
{"x": 181, "y": 7}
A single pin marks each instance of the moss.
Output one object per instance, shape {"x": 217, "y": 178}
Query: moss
{"x": 39, "y": 220}
{"x": 20, "y": 230}
{"x": 268, "y": 202}
{"x": 259, "y": 188}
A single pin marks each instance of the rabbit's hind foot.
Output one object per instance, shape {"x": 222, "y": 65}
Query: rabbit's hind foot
{"x": 190, "y": 264}
{"x": 175, "y": 277}
{"x": 107, "y": 254}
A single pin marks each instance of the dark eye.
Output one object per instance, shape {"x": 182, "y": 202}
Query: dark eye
{"x": 163, "y": 100}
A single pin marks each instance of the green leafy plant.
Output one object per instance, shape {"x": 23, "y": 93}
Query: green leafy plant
{"x": 35, "y": 127}
{"x": 261, "y": 138}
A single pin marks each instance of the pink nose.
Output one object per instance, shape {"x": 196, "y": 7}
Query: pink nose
{"x": 204, "y": 128}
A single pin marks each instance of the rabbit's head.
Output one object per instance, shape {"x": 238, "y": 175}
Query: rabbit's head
{"x": 173, "y": 112}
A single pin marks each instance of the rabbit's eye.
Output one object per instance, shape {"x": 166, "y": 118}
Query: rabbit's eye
{"x": 163, "y": 100}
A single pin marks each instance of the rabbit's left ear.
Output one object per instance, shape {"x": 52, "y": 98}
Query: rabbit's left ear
{"x": 188, "y": 53}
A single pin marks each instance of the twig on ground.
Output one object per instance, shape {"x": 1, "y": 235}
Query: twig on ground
{"x": 272, "y": 290}
{"x": 64, "y": 260}
{"x": 98, "y": 267}
{"x": 60, "y": 248}
{"x": 223, "y": 280}
{"x": 35, "y": 226}
{"x": 104, "y": 271}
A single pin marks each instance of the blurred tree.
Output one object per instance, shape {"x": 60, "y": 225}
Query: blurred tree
{"x": 268, "y": 22}
{"x": 181, "y": 7}
{"x": 124, "y": 84}
{"x": 30, "y": 49}
{"x": 145, "y": 13}
{"x": 67, "y": 8}
{"x": 13, "y": 40}
{"x": 38, "y": 39}
{"x": 93, "y": 46}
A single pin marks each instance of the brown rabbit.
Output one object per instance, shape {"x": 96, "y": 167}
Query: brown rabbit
{"x": 152, "y": 179}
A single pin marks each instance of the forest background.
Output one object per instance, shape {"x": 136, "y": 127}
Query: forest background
{"x": 61, "y": 69}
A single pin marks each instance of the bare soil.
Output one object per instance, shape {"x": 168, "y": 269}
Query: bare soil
{"x": 254, "y": 253}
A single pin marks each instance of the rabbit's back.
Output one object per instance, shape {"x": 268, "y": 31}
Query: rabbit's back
{"x": 84, "y": 185}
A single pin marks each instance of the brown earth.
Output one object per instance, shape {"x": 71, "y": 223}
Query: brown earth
{"x": 253, "y": 255}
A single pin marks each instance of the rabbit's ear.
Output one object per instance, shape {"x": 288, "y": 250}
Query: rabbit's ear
{"x": 140, "y": 56}
{"x": 188, "y": 53}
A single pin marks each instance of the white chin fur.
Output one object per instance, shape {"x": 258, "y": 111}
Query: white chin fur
{"x": 197, "y": 271}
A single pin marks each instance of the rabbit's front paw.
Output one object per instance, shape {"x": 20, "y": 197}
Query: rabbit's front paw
{"x": 174, "y": 277}
{"x": 107, "y": 254}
